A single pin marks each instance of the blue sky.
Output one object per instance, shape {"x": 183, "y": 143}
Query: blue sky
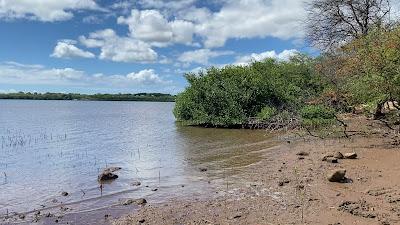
{"x": 90, "y": 46}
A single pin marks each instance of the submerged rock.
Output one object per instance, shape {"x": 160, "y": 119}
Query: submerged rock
{"x": 203, "y": 169}
{"x": 351, "y": 155}
{"x": 140, "y": 201}
{"x": 108, "y": 174}
{"x": 112, "y": 169}
{"x": 136, "y": 183}
{"x": 337, "y": 175}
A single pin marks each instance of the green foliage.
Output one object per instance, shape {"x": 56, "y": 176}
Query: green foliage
{"x": 370, "y": 68}
{"x": 315, "y": 116}
{"x": 267, "y": 113}
{"x": 96, "y": 97}
{"x": 229, "y": 96}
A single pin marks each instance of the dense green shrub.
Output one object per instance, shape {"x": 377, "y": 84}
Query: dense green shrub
{"x": 315, "y": 116}
{"x": 267, "y": 113}
{"x": 229, "y": 96}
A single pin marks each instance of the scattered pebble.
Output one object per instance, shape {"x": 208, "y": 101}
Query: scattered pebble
{"x": 203, "y": 169}
{"x": 136, "y": 183}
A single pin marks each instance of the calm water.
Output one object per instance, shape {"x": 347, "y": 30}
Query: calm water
{"x": 52, "y": 146}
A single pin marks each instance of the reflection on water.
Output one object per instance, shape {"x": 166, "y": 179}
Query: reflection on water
{"x": 52, "y": 146}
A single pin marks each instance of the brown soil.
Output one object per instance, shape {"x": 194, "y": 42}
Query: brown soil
{"x": 287, "y": 188}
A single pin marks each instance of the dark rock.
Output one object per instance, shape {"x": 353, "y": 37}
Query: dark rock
{"x": 21, "y": 216}
{"x": 142, "y": 221}
{"x": 338, "y": 155}
{"x": 136, "y": 183}
{"x": 352, "y": 155}
{"x": 140, "y": 201}
{"x": 301, "y": 158}
{"x": 329, "y": 155}
{"x": 302, "y": 153}
{"x": 154, "y": 189}
{"x": 203, "y": 169}
{"x": 331, "y": 160}
{"x": 283, "y": 182}
{"x": 337, "y": 175}
{"x": 107, "y": 176}
{"x": 64, "y": 209}
{"x": 64, "y": 193}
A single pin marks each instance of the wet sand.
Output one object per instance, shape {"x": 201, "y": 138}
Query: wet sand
{"x": 285, "y": 188}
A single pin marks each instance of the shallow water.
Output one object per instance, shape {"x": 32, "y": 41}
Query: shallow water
{"x": 52, "y": 146}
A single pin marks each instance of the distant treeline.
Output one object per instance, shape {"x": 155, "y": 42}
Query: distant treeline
{"x": 153, "y": 97}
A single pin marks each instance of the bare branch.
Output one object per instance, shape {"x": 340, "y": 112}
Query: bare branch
{"x": 332, "y": 23}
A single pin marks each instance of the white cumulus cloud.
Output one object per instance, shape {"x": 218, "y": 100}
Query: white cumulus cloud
{"x": 152, "y": 27}
{"x": 234, "y": 20}
{"x": 67, "y": 49}
{"x": 253, "y": 18}
{"x": 145, "y": 77}
{"x": 284, "y": 55}
{"x": 44, "y": 10}
{"x": 119, "y": 49}
{"x": 17, "y": 73}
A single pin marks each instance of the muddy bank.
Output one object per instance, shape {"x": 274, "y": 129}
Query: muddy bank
{"x": 291, "y": 188}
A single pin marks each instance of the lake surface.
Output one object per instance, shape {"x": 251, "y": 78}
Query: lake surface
{"x": 52, "y": 146}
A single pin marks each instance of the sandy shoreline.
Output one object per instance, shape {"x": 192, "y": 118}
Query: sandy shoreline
{"x": 285, "y": 188}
